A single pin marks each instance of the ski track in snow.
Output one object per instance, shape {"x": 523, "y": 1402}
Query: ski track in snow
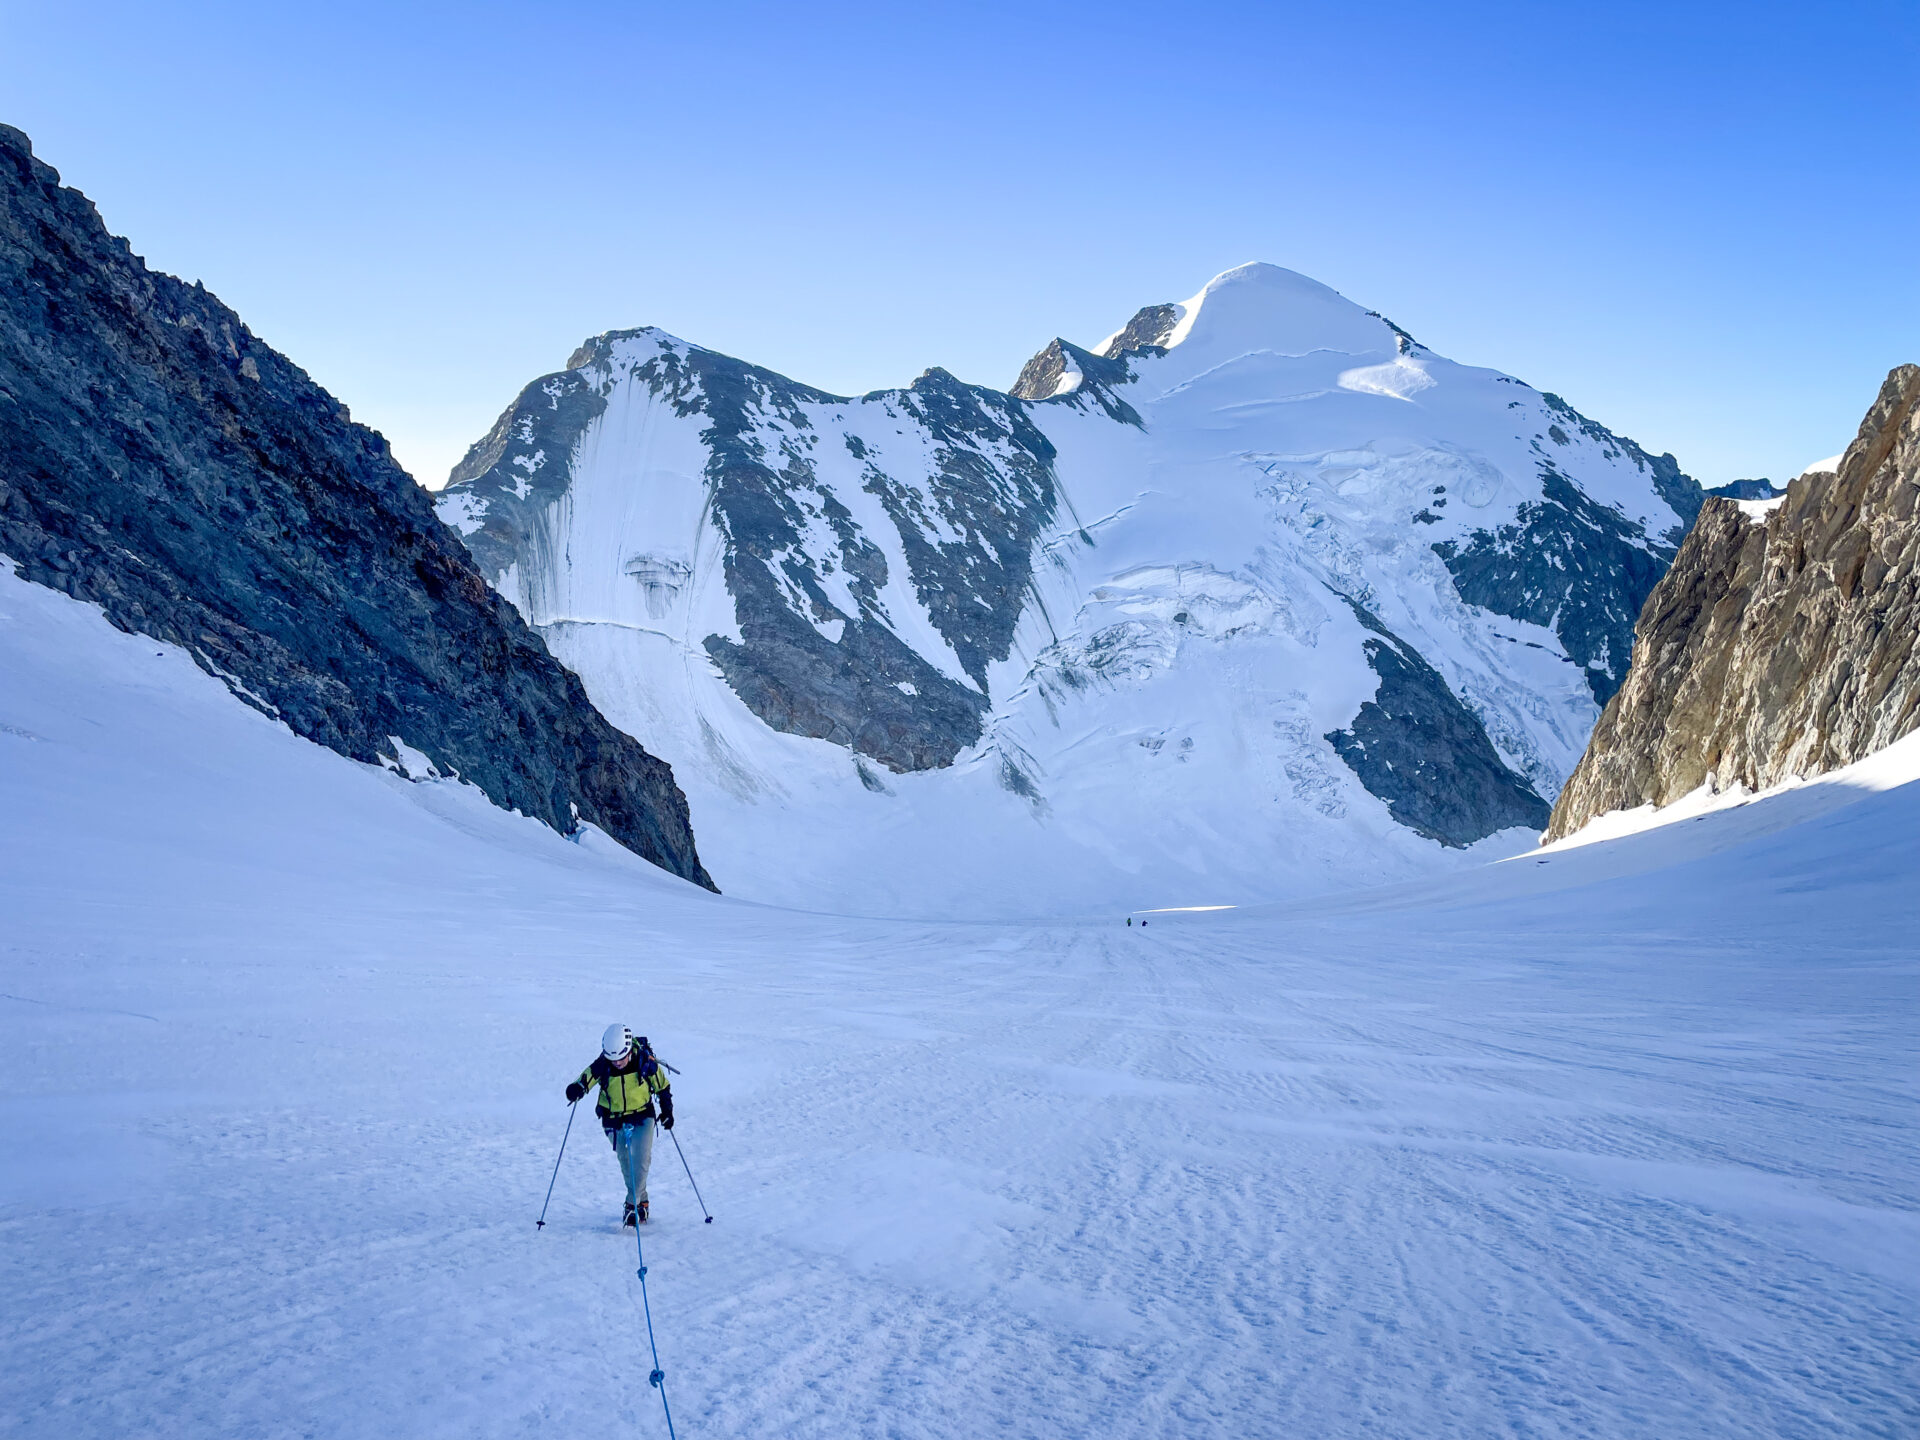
{"x": 1621, "y": 1144}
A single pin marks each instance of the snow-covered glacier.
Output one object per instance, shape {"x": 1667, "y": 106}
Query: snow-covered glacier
{"x": 1612, "y": 1141}
{"x": 1256, "y": 597}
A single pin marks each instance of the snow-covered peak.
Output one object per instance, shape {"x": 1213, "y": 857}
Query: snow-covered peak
{"x": 956, "y": 646}
{"x": 623, "y": 349}
{"x": 608, "y": 343}
{"x": 1267, "y": 319}
{"x": 1263, "y": 307}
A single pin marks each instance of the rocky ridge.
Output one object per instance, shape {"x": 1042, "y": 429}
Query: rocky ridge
{"x": 1785, "y": 639}
{"x": 158, "y": 460}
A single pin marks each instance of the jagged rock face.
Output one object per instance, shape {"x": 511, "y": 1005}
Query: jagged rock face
{"x": 1150, "y": 328}
{"x": 1782, "y": 642}
{"x": 159, "y": 461}
{"x": 1037, "y": 645}
{"x": 810, "y": 646}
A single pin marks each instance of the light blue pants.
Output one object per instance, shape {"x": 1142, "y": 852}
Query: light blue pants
{"x": 633, "y": 1144}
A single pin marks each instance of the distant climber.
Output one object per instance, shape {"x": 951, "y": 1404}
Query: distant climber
{"x": 634, "y": 1090}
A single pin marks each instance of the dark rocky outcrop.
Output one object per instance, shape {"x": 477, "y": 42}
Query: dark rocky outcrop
{"x": 1100, "y": 377}
{"x": 1748, "y": 490}
{"x": 991, "y": 482}
{"x": 158, "y": 460}
{"x": 1570, "y": 564}
{"x": 1573, "y": 565}
{"x": 528, "y": 454}
{"x": 1779, "y": 645}
{"x": 1149, "y": 329}
{"x": 1416, "y": 747}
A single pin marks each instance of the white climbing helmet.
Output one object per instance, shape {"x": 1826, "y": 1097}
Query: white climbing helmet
{"x": 616, "y": 1042}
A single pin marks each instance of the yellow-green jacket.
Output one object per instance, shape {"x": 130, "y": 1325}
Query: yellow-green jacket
{"x": 628, "y": 1095}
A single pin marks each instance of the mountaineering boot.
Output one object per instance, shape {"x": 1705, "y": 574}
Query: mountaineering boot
{"x": 627, "y": 1219}
{"x": 643, "y": 1212}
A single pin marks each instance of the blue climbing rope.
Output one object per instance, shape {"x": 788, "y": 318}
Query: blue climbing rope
{"x": 658, "y": 1379}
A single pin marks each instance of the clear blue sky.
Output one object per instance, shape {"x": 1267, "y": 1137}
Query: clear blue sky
{"x": 1696, "y": 222}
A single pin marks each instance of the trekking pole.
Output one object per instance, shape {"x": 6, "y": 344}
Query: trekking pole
{"x": 690, "y": 1180}
{"x": 541, "y": 1223}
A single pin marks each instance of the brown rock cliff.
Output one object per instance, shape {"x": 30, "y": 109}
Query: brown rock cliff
{"x": 1775, "y": 646}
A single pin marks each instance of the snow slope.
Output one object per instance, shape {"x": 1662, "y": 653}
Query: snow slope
{"x": 1612, "y": 1142}
{"x": 1137, "y": 611}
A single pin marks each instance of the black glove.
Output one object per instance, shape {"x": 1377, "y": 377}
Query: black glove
{"x": 575, "y": 1092}
{"x": 666, "y": 1113}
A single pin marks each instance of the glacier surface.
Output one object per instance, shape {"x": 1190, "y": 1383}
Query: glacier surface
{"x": 1612, "y": 1141}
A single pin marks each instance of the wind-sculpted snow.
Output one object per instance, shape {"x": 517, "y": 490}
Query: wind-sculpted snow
{"x": 1616, "y": 1146}
{"x": 1094, "y": 627}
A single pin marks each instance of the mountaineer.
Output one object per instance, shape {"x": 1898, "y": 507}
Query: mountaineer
{"x": 634, "y": 1089}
